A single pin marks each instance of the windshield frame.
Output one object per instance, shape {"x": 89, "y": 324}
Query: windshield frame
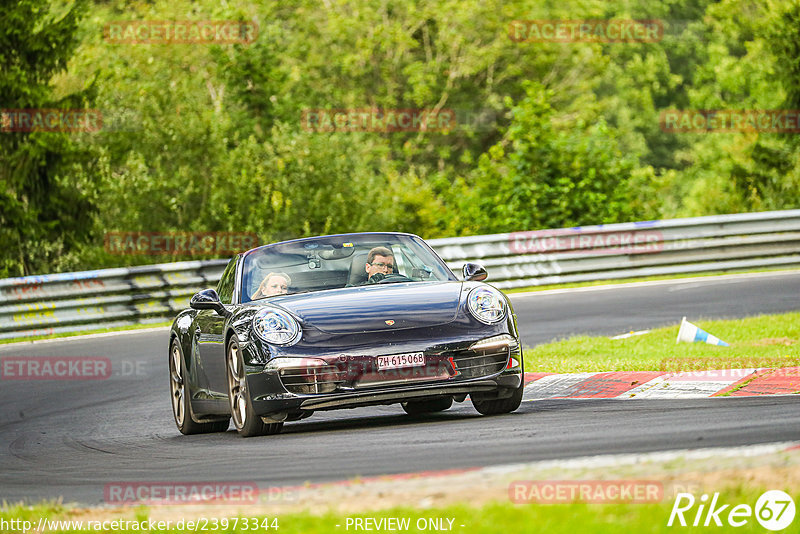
{"x": 243, "y": 277}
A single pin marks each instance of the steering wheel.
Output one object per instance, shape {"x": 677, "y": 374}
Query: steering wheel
{"x": 381, "y": 278}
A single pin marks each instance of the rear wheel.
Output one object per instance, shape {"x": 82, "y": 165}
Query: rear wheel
{"x": 498, "y": 406}
{"x": 245, "y": 420}
{"x": 427, "y": 406}
{"x": 181, "y": 404}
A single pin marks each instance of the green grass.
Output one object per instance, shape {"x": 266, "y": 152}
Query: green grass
{"x": 612, "y": 281}
{"x": 764, "y": 341}
{"x": 86, "y": 332}
{"x": 498, "y": 517}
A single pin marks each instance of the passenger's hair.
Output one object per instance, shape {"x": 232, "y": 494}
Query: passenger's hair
{"x": 379, "y": 251}
{"x": 284, "y": 275}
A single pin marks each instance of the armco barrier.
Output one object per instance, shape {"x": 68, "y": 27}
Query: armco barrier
{"x": 66, "y": 302}
{"x": 625, "y": 250}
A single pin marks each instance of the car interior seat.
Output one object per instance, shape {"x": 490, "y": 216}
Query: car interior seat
{"x": 358, "y": 274}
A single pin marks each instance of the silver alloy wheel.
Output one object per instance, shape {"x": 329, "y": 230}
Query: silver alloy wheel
{"x": 178, "y": 387}
{"x": 236, "y": 387}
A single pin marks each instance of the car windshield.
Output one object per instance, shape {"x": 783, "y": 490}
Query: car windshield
{"x": 334, "y": 262}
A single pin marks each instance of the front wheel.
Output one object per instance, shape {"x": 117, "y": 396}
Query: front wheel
{"x": 428, "y": 406}
{"x": 498, "y": 406}
{"x": 245, "y": 420}
{"x": 181, "y": 404}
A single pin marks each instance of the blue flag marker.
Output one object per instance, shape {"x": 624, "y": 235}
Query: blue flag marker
{"x": 691, "y": 334}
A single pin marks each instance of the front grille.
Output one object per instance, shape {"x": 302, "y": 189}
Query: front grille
{"x": 309, "y": 380}
{"x": 481, "y": 362}
{"x": 483, "y": 358}
{"x": 433, "y": 370}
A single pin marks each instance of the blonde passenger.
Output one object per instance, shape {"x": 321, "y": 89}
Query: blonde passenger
{"x": 273, "y": 284}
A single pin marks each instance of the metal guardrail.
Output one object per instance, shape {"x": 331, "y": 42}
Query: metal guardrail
{"x": 36, "y": 305}
{"x": 626, "y": 250}
{"x": 70, "y": 302}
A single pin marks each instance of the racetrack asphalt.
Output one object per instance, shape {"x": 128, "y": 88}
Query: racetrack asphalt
{"x": 70, "y": 438}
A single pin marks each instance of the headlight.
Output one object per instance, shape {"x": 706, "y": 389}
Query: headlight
{"x": 487, "y": 305}
{"x": 276, "y": 327}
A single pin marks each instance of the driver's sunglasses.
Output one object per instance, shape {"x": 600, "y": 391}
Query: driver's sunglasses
{"x": 381, "y": 265}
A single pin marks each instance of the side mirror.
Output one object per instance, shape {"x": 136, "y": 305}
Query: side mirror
{"x": 474, "y": 272}
{"x": 208, "y": 299}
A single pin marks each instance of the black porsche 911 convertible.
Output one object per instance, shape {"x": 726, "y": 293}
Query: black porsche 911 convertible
{"x": 341, "y": 321}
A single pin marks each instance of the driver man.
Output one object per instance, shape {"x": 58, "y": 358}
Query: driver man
{"x": 380, "y": 262}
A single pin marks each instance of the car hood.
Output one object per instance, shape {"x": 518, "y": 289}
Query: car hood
{"x": 373, "y": 308}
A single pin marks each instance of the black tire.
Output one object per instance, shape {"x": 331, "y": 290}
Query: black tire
{"x": 245, "y": 420}
{"x": 498, "y": 406}
{"x": 181, "y": 405}
{"x": 427, "y": 406}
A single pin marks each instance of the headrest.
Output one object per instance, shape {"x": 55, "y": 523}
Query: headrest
{"x": 358, "y": 273}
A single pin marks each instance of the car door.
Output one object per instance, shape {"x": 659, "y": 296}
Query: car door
{"x": 211, "y": 342}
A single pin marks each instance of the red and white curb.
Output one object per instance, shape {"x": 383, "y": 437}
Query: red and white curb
{"x": 662, "y": 384}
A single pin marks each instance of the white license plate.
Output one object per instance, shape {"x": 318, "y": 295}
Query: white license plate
{"x": 395, "y": 361}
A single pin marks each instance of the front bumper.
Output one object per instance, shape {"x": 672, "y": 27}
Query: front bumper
{"x": 353, "y": 380}
{"x": 268, "y": 403}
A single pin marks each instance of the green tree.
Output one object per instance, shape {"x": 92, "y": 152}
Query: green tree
{"x": 209, "y": 138}
{"x": 749, "y": 43}
{"x": 544, "y": 175}
{"x": 46, "y": 202}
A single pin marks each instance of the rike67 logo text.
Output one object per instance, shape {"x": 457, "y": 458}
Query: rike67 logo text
{"x": 774, "y": 510}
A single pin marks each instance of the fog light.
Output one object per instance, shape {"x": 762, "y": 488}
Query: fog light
{"x": 305, "y": 376}
{"x": 278, "y": 364}
{"x": 495, "y": 342}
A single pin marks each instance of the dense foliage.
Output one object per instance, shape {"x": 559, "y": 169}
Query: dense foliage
{"x": 210, "y": 137}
